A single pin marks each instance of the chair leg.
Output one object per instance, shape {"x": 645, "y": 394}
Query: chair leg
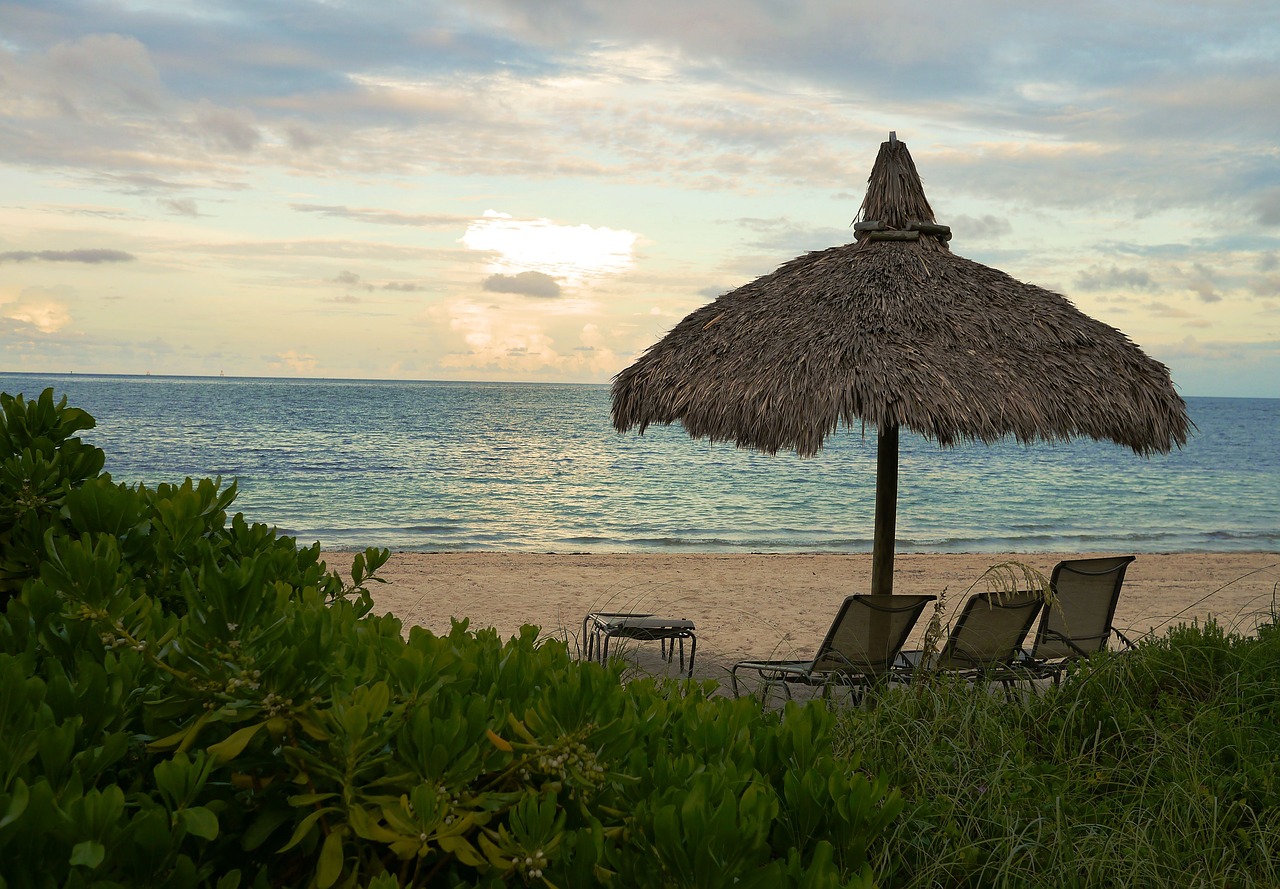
{"x": 667, "y": 649}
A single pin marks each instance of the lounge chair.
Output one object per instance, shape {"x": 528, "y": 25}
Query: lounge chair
{"x": 860, "y": 647}
{"x": 985, "y": 640}
{"x": 1077, "y": 623}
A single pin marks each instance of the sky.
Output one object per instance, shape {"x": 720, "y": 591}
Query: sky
{"x": 540, "y": 189}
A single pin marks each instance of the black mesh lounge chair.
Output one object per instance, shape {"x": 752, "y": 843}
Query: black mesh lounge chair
{"x": 985, "y": 640}
{"x": 860, "y": 647}
{"x": 1078, "y": 621}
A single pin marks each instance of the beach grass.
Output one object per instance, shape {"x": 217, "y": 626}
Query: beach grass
{"x": 1153, "y": 767}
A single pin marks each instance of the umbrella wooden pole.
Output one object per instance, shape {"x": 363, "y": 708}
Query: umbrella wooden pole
{"x": 886, "y": 510}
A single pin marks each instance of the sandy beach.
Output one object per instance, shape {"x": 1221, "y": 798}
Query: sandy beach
{"x": 774, "y": 605}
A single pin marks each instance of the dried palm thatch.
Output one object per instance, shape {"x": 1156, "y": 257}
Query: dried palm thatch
{"x": 896, "y": 330}
{"x": 898, "y": 333}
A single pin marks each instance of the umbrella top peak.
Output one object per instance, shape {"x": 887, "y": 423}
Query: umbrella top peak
{"x": 895, "y": 201}
{"x": 895, "y": 196}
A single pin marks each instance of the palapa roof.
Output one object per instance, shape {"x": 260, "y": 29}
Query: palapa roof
{"x": 895, "y": 329}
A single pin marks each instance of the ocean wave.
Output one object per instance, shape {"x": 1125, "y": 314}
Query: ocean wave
{"x": 539, "y": 468}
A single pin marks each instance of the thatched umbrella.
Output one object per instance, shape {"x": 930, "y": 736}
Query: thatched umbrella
{"x": 895, "y": 330}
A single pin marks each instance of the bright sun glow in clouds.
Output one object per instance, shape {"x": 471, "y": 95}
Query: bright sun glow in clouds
{"x": 568, "y": 253}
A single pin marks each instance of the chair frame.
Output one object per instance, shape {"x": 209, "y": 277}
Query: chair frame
{"x": 995, "y": 668}
{"x": 1081, "y": 646}
{"x": 847, "y": 673}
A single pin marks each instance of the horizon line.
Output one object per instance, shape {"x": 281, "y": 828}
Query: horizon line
{"x": 163, "y": 376}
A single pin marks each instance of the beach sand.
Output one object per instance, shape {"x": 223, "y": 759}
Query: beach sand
{"x": 755, "y": 606}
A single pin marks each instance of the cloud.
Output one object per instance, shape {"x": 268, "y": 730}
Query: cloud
{"x": 294, "y": 362}
{"x": 93, "y": 212}
{"x": 349, "y": 278}
{"x": 86, "y": 255}
{"x": 226, "y": 128}
{"x": 663, "y": 118}
{"x": 324, "y": 248}
{"x": 784, "y": 237}
{"x": 773, "y": 241}
{"x": 102, "y": 72}
{"x": 1222, "y": 367}
{"x": 302, "y": 138}
{"x": 1267, "y": 207}
{"x": 1164, "y": 310}
{"x": 492, "y": 339}
{"x": 1220, "y": 351}
{"x": 566, "y": 252}
{"x": 483, "y": 341}
{"x": 180, "y": 206}
{"x": 1114, "y": 278}
{"x": 978, "y": 228}
{"x": 147, "y": 184}
{"x": 383, "y": 217}
{"x": 527, "y": 283}
{"x": 592, "y": 89}
{"x": 38, "y": 308}
{"x": 1203, "y": 286}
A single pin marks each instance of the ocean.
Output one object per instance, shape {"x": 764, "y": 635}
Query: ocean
{"x": 431, "y": 466}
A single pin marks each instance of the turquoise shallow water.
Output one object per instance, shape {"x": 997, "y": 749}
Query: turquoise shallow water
{"x": 538, "y": 467}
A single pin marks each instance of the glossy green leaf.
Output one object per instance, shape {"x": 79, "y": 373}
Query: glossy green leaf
{"x": 200, "y": 822}
{"x": 88, "y": 853}
{"x": 330, "y": 866}
{"x": 17, "y": 803}
{"x": 233, "y": 745}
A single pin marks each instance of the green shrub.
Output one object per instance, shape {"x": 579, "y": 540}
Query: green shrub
{"x": 192, "y": 700}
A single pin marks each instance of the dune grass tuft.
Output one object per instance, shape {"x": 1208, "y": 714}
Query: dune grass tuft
{"x": 1158, "y": 766}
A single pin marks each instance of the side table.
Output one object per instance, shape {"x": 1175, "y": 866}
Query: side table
{"x": 600, "y": 626}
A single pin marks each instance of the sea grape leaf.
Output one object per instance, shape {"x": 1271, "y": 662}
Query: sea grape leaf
{"x": 17, "y": 803}
{"x": 88, "y": 853}
{"x": 201, "y": 822}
